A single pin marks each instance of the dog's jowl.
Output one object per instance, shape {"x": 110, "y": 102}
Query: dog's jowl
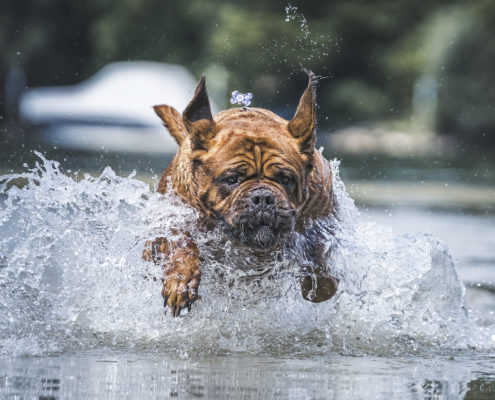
{"x": 253, "y": 175}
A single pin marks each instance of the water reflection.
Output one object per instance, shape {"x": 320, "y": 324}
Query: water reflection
{"x": 158, "y": 376}
{"x": 480, "y": 389}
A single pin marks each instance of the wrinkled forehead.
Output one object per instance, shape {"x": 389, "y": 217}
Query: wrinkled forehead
{"x": 252, "y": 141}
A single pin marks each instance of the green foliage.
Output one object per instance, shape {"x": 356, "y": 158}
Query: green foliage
{"x": 373, "y": 53}
{"x": 467, "y": 92}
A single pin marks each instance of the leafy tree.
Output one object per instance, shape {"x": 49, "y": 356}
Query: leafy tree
{"x": 373, "y": 54}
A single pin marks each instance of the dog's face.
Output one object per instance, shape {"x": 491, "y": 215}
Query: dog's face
{"x": 252, "y": 178}
{"x": 250, "y": 168}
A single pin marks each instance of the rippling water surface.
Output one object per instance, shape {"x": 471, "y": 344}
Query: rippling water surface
{"x": 75, "y": 292}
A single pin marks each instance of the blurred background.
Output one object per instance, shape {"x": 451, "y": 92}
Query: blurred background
{"x": 406, "y": 96}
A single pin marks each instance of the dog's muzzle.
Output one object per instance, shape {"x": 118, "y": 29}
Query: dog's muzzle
{"x": 262, "y": 220}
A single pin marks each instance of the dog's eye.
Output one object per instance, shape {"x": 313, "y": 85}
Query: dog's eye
{"x": 286, "y": 180}
{"x": 231, "y": 179}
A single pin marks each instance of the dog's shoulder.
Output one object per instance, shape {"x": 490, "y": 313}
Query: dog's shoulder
{"x": 179, "y": 174}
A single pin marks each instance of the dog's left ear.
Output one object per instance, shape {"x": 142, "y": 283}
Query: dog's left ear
{"x": 198, "y": 119}
{"x": 303, "y": 125}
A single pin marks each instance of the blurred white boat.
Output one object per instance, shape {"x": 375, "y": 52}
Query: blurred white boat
{"x": 112, "y": 110}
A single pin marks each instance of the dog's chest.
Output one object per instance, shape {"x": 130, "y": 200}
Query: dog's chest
{"x": 229, "y": 257}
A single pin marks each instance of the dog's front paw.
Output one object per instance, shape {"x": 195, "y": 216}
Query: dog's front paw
{"x": 319, "y": 288}
{"x": 180, "y": 287}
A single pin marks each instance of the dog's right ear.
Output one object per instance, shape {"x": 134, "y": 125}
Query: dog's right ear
{"x": 198, "y": 119}
{"x": 172, "y": 121}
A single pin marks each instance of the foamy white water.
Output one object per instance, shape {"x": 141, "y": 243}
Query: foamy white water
{"x": 72, "y": 278}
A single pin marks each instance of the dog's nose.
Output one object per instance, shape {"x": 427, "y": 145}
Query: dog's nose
{"x": 262, "y": 198}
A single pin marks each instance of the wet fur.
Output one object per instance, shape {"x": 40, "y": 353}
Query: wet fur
{"x": 263, "y": 151}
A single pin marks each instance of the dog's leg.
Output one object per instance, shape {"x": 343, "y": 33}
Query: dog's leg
{"x": 316, "y": 284}
{"x": 180, "y": 259}
{"x": 318, "y": 287}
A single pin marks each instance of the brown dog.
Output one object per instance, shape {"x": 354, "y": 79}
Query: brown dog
{"x": 251, "y": 173}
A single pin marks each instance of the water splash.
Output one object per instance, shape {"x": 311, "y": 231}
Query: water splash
{"x": 241, "y": 98}
{"x": 72, "y": 278}
{"x": 302, "y": 49}
{"x": 293, "y": 15}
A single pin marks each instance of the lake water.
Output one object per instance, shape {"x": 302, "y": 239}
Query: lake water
{"x": 414, "y": 317}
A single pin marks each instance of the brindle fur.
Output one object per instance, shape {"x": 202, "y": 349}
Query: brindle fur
{"x": 262, "y": 148}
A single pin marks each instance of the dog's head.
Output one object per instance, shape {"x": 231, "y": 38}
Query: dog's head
{"x": 249, "y": 169}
